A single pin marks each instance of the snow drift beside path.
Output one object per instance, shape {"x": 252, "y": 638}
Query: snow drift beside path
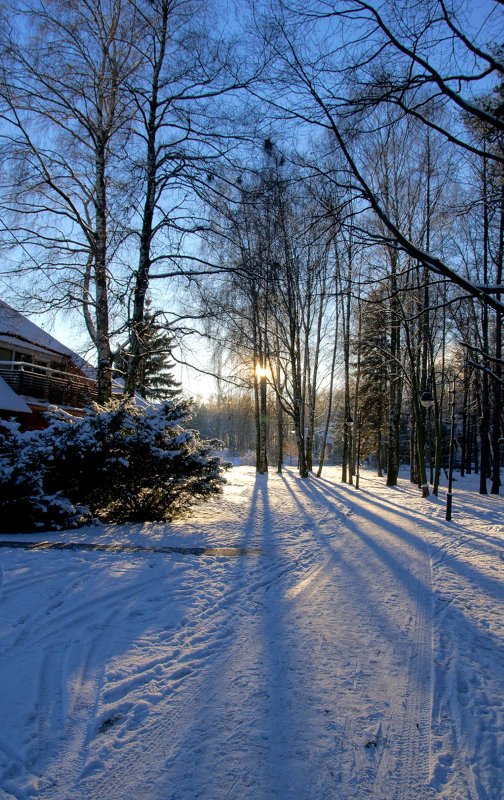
{"x": 356, "y": 651}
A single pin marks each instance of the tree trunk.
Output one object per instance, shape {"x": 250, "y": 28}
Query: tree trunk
{"x": 395, "y": 384}
{"x": 465, "y": 420}
{"x": 136, "y": 324}
{"x": 258, "y": 428}
{"x": 379, "y": 472}
{"x": 347, "y": 472}
{"x": 263, "y": 457}
{"x": 420, "y": 438}
{"x": 104, "y": 378}
{"x": 496, "y": 383}
{"x": 330, "y": 402}
{"x": 485, "y": 405}
{"x": 280, "y": 456}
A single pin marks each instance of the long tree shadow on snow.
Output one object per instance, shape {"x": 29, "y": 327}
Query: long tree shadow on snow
{"x": 464, "y": 671}
{"x": 485, "y": 640}
{"x": 359, "y": 498}
{"x": 241, "y": 695}
{"x": 334, "y": 548}
{"x": 478, "y": 507}
{"x": 296, "y": 728}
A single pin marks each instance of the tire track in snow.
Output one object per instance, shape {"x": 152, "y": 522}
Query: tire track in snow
{"x": 395, "y": 756}
{"x": 67, "y": 657}
{"x": 411, "y": 747}
{"x": 464, "y": 676}
{"x": 209, "y": 626}
{"x": 220, "y": 667}
{"x": 169, "y": 658}
{"x": 168, "y": 666}
{"x": 256, "y": 684}
{"x": 52, "y": 617}
{"x": 82, "y": 682}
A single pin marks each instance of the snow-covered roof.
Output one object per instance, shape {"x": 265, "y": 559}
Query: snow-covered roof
{"x": 10, "y": 401}
{"x": 118, "y": 391}
{"x": 15, "y": 329}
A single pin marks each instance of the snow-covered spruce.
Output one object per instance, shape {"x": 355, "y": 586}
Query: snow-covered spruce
{"x": 122, "y": 463}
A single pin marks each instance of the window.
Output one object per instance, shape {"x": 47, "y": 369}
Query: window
{"x": 26, "y": 357}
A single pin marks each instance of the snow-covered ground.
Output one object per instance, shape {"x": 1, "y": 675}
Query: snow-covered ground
{"x": 359, "y": 654}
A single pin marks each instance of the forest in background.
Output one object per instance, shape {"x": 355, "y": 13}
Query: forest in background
{"x": 314, "y": 188}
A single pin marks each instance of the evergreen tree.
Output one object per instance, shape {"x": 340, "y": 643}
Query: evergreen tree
{"x": 155, "y": 379}
{"x": 374, "y": 357}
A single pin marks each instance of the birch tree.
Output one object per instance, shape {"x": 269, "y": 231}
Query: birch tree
{"x": 336, "y": 63}
{"x": 65, "y": 119}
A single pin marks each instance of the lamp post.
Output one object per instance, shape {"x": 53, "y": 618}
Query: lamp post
{"x": 427, "y": 401}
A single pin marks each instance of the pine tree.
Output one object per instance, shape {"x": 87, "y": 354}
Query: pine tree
{"x": 155, "y": 379}
{"x": 374, "y": 374}
{"x": 119, "y": 463}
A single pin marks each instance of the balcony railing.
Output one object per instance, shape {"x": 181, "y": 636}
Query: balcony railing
{"x": 48, "y": 385}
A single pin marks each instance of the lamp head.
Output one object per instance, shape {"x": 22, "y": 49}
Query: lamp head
{"x": 427, "y": 400}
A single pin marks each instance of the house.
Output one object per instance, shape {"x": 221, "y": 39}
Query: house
{"x": 37, "y": 371}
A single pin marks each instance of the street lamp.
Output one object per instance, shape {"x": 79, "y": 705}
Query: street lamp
{"x": 427, "y": 399}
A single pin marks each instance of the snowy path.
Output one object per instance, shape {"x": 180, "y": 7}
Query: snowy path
{"x": 359, "y": 655}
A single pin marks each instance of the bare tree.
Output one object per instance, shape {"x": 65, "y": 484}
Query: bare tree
{"x": 389, "y": 59}
{"x": 114, "y": 118}
{"x": 65, "y": 117}
{"x": 279, "y": 286}
{"x": 181, "y": 133}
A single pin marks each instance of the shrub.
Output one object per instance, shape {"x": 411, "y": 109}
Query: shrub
{"x": 25, "y": 504}
{"x": 122, "y": 463}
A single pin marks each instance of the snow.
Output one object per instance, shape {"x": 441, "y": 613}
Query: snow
{"x": 17, "y": 329}
{"x": 358, "y": 655}
{"x": 10, "y": 401}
